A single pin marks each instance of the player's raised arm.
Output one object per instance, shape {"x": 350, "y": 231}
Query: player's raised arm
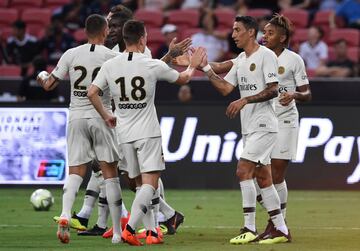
{"x": 220, "y": 84}
{"x": 46, "y": 81}
{"x": 176, "y": 50}
{"x": 196, "y": 60}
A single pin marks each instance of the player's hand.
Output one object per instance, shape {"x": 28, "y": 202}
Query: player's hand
{"x": 197, "y": 57}
{"x": 286, "y": 97}
{"x": 42, "y": 77}
{"x": 110, "y": 121}
{"x": 178, "y": 49}
{"x": 204, "y": 61}
{"x": 183, "y": 60}
{"x": 235, "y": 107}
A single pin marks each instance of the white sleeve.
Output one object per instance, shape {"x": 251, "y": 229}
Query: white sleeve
{"x": 63, "y": 66}
{"x": 100, "y": 80}
{"x": 270, "y": 68}
{"x": 164, "y": 72}
{"x": 300, "y": 75}
{"x": 231, "y": 76}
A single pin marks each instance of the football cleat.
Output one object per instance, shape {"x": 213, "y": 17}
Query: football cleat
{"x": 153, "y": 238}
{"x": 130, "y": 238}
{"x": 63, "y": 232}
{"x": 95, "y": 231}
{"x": 163, "y": 229}
{"x": 142, "y": 233}
{"x": 123, "y": 221}
{"x": 76, "y": 222}
{"x": 274, "y": 237}
{"x": 173, "y": 223}
{"x": 246, "y": 236}
{"x": 270, "y": 227}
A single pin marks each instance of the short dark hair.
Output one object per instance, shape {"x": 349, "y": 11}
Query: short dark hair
{"x": 283, "y": 23}
{"x": 94, "y": 25}
{"x": 19, "y": 24}
{"x": 133, "y": 30}
{"x": 121, "y": 9}
{"x": 249, "y": 23}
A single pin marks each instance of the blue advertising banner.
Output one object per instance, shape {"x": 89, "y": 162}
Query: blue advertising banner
{"x": 33, "y": 145}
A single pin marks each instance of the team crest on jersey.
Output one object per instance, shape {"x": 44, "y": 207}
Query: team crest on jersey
{"x": 281, "y": 70}
{"x": 252, "y": 67}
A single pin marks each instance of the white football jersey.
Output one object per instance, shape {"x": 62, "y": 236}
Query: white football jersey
{"x": 147, "y": 51}
{"x": 83, "y": 63}
{"x": 132, "y": 79}
{"x": 291, "y": 74}
{"x": 252, "y": 74}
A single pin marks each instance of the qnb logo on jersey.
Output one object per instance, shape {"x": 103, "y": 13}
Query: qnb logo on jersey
{"x": 132, "y": 106}
{"x": 283, "y": 89}
{"x": 84, "y": 93}
{"x": 228, "y": 148}
{"x": 248, "y": 87}
{"x": 80, "y": 93}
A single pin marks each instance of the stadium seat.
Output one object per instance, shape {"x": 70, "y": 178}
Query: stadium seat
{"x": 297, "y": 16}
{"x": 7, "y": 17}
{"x": 155, "y": 39}
{"x": 10, "y": 71}
{"x": 225, "y": 18}
{"x": 258, "y": 12}
{"x": 300, "y": 35}
{"x": 36, "y": 20}
{"x": 5, "y": 33}
{"x": 151, "y": 18}
{"x": 80, "y": 36}
{"x": 4, "y": 3}
{"x": 352, "y": 53}
{"x": 22, "y": 5}
{"x": 310, "y": 73}
{"x": 54, "y": 4}
{"x": 322, "y": 18}
{"x": 352, "y": 36}
{"x": 183, "y": 19}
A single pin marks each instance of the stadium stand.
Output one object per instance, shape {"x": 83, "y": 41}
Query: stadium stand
{"x": 151, "y": 18}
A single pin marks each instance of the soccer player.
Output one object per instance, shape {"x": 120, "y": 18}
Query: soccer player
{"x": 293, "y": 86}
{"x": 117, "y": 17}
{"x": 132, "y": 78}
{"x": 88, "y": 136}
{"x": 254, "y": 72}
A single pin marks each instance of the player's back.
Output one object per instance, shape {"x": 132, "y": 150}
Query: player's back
{"x": 132, "y": 78}
{"x": 83, "y": 63}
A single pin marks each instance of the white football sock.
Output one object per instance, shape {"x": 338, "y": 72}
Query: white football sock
{"x": 248, "y": 192}
{"x": 155, "y": 202}
{"x": 91, "y": 194}
{"x": 272, "y": 205}
{"x": 141, "y": 204}
{"x": 161, "y": 189}
{"x": 113, "y": 196}
{"x": 124, "y": 211}
{"x": 166, "y": 209}
{"x": 283, "y": 195}
{"x": 258, "y": 194}
{"x": 103, "y": 206}
{"x": 71, "y": 188}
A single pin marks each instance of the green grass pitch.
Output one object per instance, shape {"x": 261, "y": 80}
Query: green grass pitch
{"x": 326, "y": 220}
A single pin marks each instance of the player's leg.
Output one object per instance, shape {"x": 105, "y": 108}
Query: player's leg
{"x": 103, "y": 212}
{"x": 171, "y": 218}
{"x": 278, "y": 169}
{"x": 106, "y": 150}
{"x": 245, "y": 171}
{"x": 78, "y": 134}
{"x": 268, "y": 192}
